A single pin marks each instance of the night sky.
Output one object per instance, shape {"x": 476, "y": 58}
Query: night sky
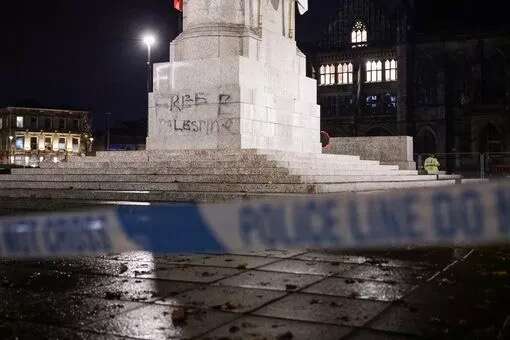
{"x": 87, "y": 54}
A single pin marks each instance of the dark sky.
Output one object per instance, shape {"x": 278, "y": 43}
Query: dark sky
{"x": 86, "y": 54}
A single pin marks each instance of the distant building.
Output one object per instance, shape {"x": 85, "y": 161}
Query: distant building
{"x": 380, "y": 74}
{"x": 31, "y": 135}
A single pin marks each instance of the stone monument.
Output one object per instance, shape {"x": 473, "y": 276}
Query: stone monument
{"x": 236, "y": 80}
{"x": 232, "y": 116}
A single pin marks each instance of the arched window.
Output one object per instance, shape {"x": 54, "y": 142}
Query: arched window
{"x": 390, "y": 68}
{"x": 359, "y": 35}
{"x": 374, "y": 71}
{"x": 328, "y": 75}
{"x": 345, "y": 73}
{"x": 323, "y": 75}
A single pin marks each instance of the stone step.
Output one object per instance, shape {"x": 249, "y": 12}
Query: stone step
{"x": 200, "y": 196}
{"x": 181, "y": 178}
{"x": 151, "y": 171}
{"x": 135, "y": 196}
{"x": 348, "y": 172}
{"x": 191, "y": 186}
{"x": 280, "y": 178}
{"x": 119, "y": 157}
{"x": 221, "y": 164}
{"x": 212, "y": 171}
{"x": 373, "y": 186}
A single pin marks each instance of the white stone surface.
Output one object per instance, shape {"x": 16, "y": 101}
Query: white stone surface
{"x": 235, "y": 80}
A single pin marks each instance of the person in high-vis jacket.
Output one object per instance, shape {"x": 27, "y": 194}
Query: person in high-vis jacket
{"x": 432, "y": 165}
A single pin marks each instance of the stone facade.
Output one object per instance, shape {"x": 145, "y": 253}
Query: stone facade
{"x": 235, "y": 80}
{"x": 451, "y": 92}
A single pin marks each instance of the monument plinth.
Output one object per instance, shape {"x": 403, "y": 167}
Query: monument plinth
{"x": 235, "y": 80}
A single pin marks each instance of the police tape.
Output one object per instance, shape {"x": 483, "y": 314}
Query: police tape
{"x": 457, "y": 215}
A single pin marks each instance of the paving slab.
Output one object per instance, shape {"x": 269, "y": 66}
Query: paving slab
{"x": 308, "y": 267}
{"x": 270, "y": 280}
{"x": 360, "y": 289}
{"x": 365, "y": 334}
{"x": 324, "y": 309}
{"x": 256, "y": 328}
{"x": 230, "y": 261}
{"x": 159, "y": 322}
{"x": 61, "y": 310}
{"x": 387, "y": 274}
{"x": 330, "y": 257}
{"x": 202, "y": 274}
{"x": 48, "y": 281}
{"x": 139, "y": 290}
{"x": 25, "y": 330}
{"x": 287, "y": 253}
{"x": 229, "y": 299}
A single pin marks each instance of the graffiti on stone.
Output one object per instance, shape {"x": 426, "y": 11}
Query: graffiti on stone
{"x": 179, "y": 103}
{"x": 203, "y": 127}
{"x": 186, "y": 101}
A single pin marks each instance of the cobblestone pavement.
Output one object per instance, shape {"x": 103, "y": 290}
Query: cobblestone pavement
{"x": 268, "y": 295}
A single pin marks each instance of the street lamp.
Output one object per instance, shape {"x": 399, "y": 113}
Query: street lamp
{"x": 149, "y": 40}
{"x": 90, "y": 144}
{"x": 10, "y": 149}
{"x": 108, "y": 114}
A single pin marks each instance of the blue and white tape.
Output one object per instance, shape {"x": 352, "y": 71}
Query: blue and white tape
{"x": 460, "y": 215}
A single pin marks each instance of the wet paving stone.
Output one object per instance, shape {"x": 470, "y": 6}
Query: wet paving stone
{"x": 139, "y": 290}
{"x": 272, "y": 253}
{"x": 230, "y": 299}
{"x": 47, "y": 281}
{"x": 191, "y": 274}
{"x": 388, "y": 274}
{"x": 231, "y": 261}
{"x": 270, "y": 280}
{"x": 319, "y": 308}
{"x": 401, "y": 319}
{"x": 361, "y": 289}
{"x": 256, "y": 328}
{"x": 329, "y": 257}
{"x": 365, "y": 334}
{"x": 308, "y": 267}
{"x": 63, "y": 310}
{"x": 160, "y": 322}
{"x": 25, "y": 330}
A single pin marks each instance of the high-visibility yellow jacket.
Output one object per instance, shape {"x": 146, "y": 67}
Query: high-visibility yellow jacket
{"x": 432, "y": 166}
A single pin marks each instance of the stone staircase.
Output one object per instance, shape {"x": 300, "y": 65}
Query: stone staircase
{"x": 211, "y": 175}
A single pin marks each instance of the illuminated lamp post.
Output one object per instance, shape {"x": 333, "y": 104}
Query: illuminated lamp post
{"x": 149, "y": 40}
{"x": 11, "y": 138}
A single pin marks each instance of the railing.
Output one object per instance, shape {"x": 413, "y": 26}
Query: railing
{"x": 470, "y": 164}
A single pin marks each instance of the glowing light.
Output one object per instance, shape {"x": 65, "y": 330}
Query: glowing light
{"x": 149, "y": 40}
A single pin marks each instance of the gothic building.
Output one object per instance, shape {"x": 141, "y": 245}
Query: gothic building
{"x": 380, "y": 74}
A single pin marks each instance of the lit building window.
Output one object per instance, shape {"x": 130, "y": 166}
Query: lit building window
{"x": 19, "y": 122}
{"x": 48, "y": 144}
{"x": 1, "y": 123}
{"x": 374, "y": 71}
{"x": 345, "y": 73}
{"x": 33, "y": 143}
{"x": 62, "y": 144}
{"x": 359, "y": 35}
{"x": 390, "y": 68}
{"x": 328, "y": 74}
{"x": 76, "y": 145}
{"x": 20, "y": 143}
